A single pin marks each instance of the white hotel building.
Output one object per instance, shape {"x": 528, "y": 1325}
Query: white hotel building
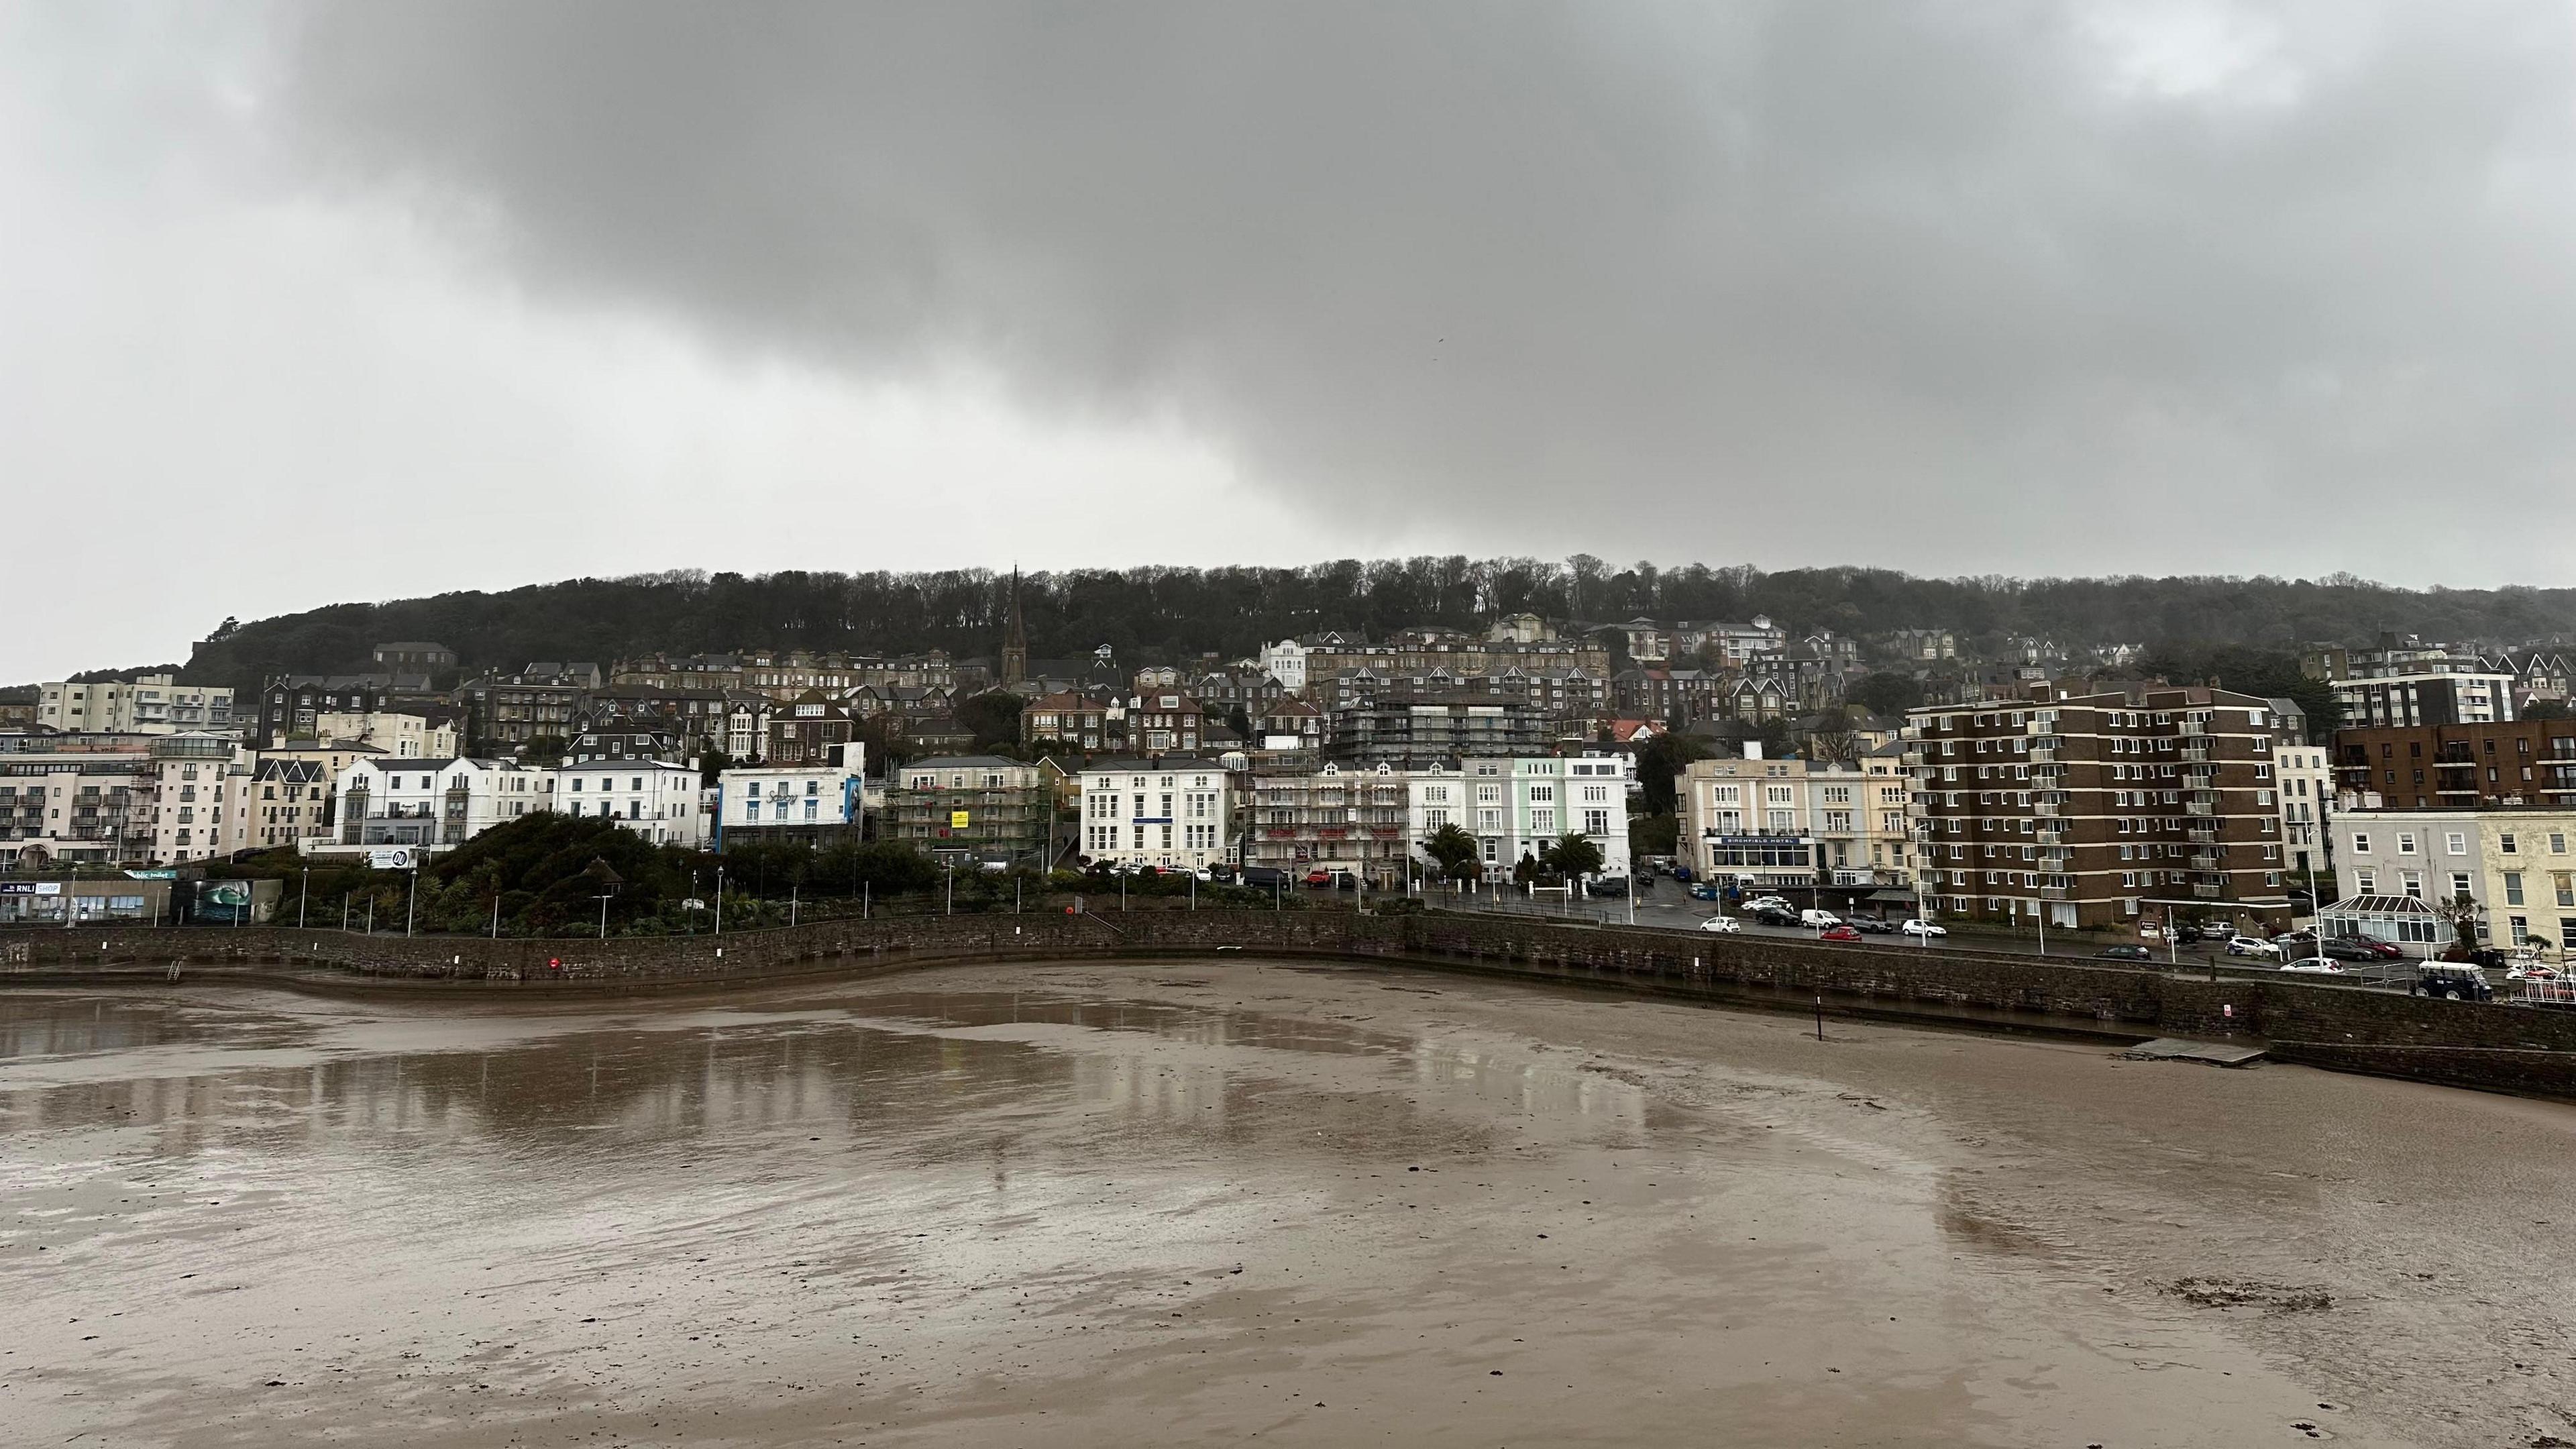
{"x": 1169, "y": 812}
{"x": 781, "y": 802}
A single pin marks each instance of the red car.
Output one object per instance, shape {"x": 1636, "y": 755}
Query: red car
{"x": 1319, "y": 878}
{"x": 1838, "y": 933}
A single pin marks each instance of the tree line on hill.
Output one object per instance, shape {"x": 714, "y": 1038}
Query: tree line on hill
{"x": 1178, "y": 614}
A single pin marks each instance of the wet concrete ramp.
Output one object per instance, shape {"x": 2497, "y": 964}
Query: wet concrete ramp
{"x": 2176, "y": 1049}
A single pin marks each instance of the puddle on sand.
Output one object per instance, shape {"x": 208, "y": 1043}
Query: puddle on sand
{"x": 1197, "y": 1206}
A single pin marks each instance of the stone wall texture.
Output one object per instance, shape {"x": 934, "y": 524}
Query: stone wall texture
{"x": 2326, "y": 1024}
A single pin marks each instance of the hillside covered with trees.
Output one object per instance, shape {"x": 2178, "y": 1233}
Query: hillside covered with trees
{"x": 1180, "y": 613}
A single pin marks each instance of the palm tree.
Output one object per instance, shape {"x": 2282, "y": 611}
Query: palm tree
{"x": 1455, "y": 849}
{"x": 1573, "y": 856}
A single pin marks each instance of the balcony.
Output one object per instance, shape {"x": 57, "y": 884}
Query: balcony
{"x": 2192, "y": 728}
{"x": 2199, "y": 807}
{"x": 2055, "y": 893}
{"x": 2207, "y": 892}
{"x": 2042, "y": 755}
{"x": 2046, "y": 808}
{"x": 2203, "y": 834}
{"x": 2208, "y": 860}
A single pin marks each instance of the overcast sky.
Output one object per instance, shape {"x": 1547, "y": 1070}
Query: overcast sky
{"x": 369, "y": 300}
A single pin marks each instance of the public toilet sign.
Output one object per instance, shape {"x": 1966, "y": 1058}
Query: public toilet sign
{"x": 960, "y": 819}
{"x": 398, "y": 857}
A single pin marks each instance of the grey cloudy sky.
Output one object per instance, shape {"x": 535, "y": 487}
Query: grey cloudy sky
{"x": 356, "y": 301}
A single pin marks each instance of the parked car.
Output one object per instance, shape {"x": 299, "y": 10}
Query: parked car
{"x": 2451, "y": 980}
{"x": 1873, "y": 925}
{"x": 1817, "y": 918}
{"x": 1319, "y": 878}
{"x": 2344, "y": 948}
{"x": 1264, "y": 876}
{"x": 2294, "y": 938}
{"x": 1923, "y": 928}
{"x": 1838, "y": 933}
{"x": 1767, "y": 903}
{"x": 2379, "y": 950}
{"x": 2476, "y": 956}
{"x": 1704, "y": 892}
{"x": 2313, "y": 966}
{"x": 1221, "y": 874}
{"x": 2253, "y": 946}
{"x": 1725, "y": 925}
{"x": 2217, "y": 932}
{"x": 1681, "y": 872}
{"x": 1774, "y": 916}
{"x": 1608, "y": 885}
{"x": 2125, "y": 953}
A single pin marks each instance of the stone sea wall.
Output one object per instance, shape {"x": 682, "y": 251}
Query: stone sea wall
{"x": 2325, "y": 1024}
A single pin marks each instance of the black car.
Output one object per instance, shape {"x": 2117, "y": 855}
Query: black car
{"x": 2476, "y": 956}
{"x": 2125, "y": 953}
{"x": 1608, "y": 885}
{"x": 2452, "y": 980}
{"x": 1774, "y": 917}
{"x": 1221, "y": 874}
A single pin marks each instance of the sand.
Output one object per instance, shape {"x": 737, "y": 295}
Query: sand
{"x": 1229, "y": 1202}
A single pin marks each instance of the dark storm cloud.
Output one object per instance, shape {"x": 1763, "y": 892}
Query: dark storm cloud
{"x": 1999, "y": 275}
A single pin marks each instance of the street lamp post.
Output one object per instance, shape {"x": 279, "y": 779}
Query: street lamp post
{"x": 1921, "y": 937}
{"x": 719, "y": 900}
{"x": 306, "y": 888}
{"x": 412, "y": 902}
{"x": 603, "y": 916}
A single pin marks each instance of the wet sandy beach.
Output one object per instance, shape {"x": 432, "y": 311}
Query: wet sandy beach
{"x": 1177, "y": 1203}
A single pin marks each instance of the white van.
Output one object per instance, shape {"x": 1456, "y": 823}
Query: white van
{"x": 1818, "y": 920}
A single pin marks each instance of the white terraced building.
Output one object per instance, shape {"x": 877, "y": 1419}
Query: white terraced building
{"x": 1517, "y": 807}
{"x": 656, "y": 799}
{"x": 436, "y": 803}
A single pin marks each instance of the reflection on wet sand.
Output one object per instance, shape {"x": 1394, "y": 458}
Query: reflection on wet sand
{"x": 1053, "y": 1205}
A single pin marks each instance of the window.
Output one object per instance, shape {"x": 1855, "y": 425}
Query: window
{"x": 2414, "y": 885}
{"x": 2365, "y": 882}
{"x": 2513, "y": 888}
{"x": 2505, "y": 843}
{"x": 2460, "y": 884}
{"x": 2457, "y": 842}
{"x": 2360, "y": 843}
{"x": 2405, "y": 842}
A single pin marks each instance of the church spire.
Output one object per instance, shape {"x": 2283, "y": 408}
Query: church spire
{"x": 1015, "y": 638}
